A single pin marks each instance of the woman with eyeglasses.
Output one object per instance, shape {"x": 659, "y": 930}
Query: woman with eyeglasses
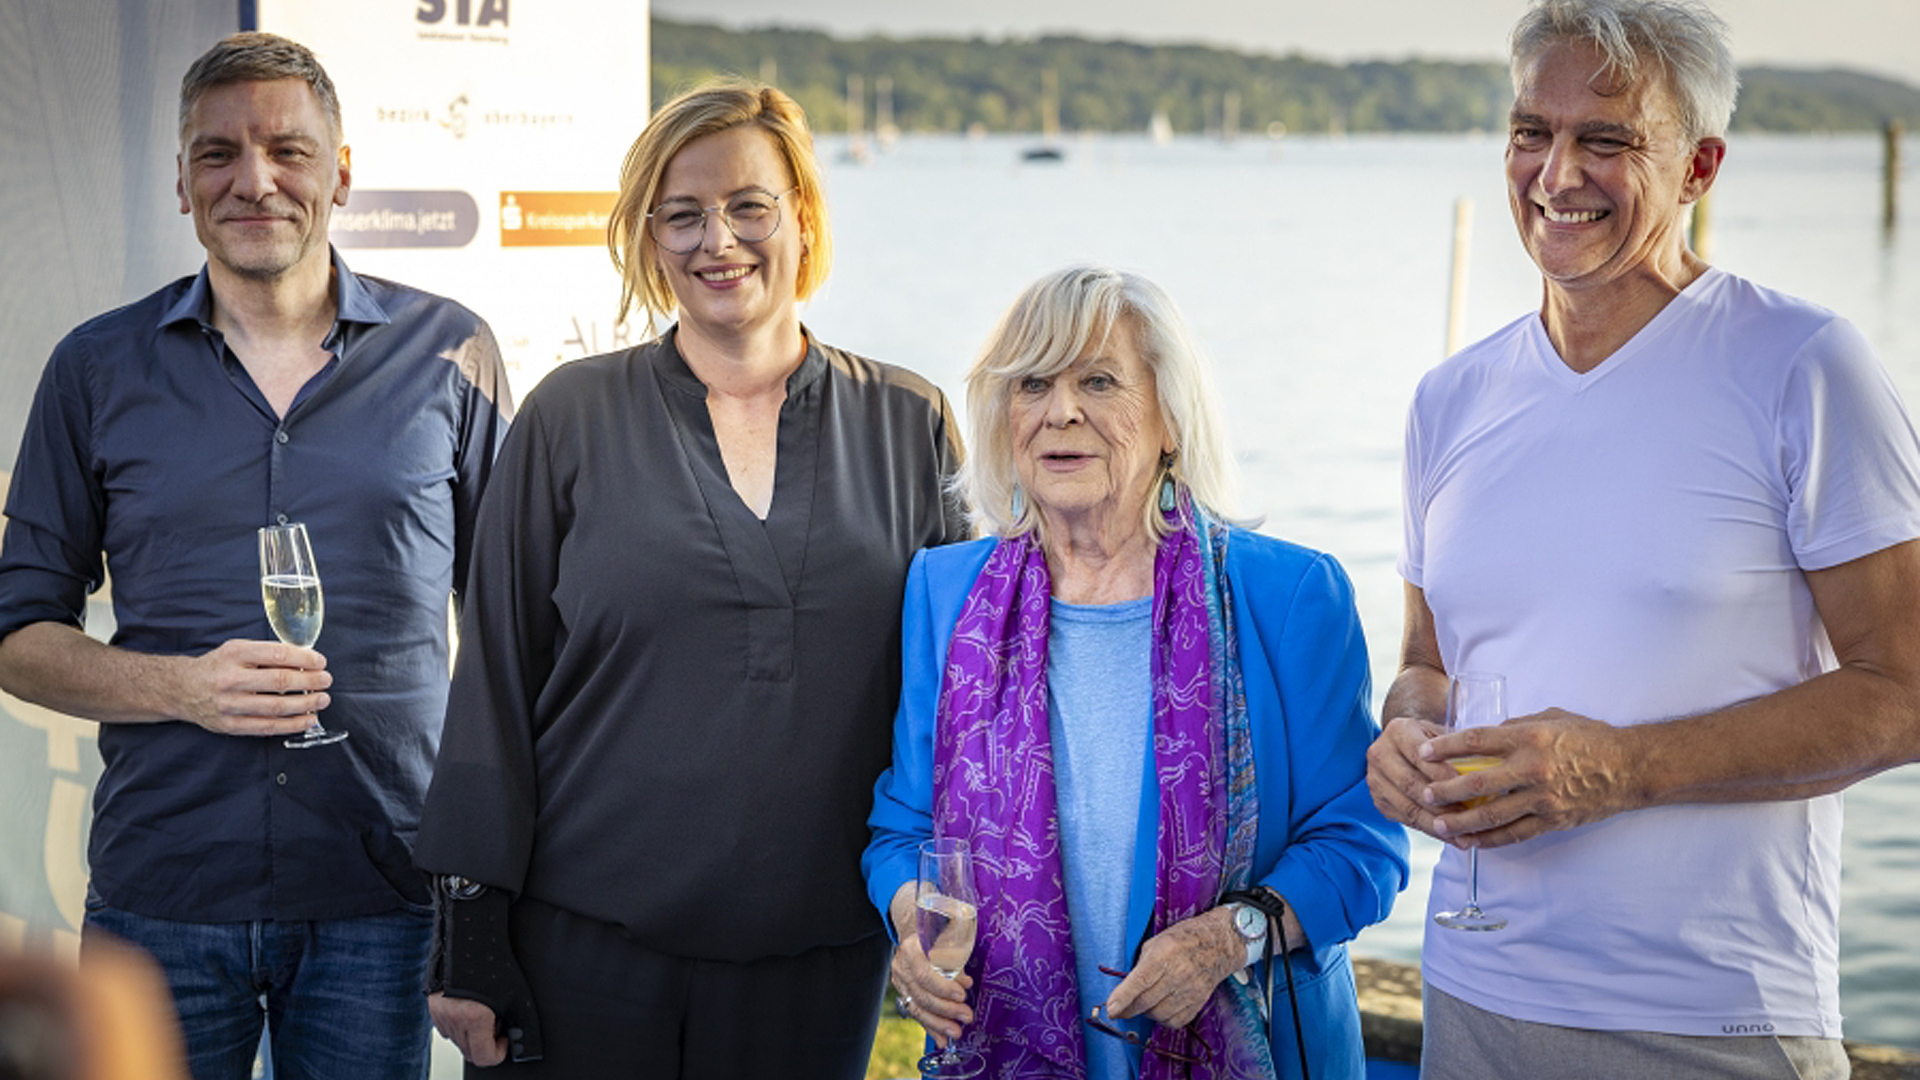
{"x": 679, "y": 650}
{"x": 1149, "y": 724}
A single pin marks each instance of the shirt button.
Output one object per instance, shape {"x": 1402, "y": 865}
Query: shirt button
{"x": 281, "y": 779}
{"x": 280, "y": 436}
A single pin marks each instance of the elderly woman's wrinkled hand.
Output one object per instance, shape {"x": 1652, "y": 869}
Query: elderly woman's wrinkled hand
{"x": 1178, "y": 969}
{"x": 937, "y": 1002}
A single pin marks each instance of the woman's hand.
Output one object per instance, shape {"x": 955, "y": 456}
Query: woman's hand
{"x": 1178, "y": 969}
{"x": 937, "y": 1002}
{"x": 470, "y": 1026}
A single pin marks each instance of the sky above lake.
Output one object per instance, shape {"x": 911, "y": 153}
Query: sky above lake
{"x": 1882, "y": 36}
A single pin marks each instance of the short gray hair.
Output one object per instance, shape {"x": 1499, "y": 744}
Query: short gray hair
{"x": 253, "y": 56}
{"x": 1682, "y": 39}
{"x": 1057, "y": 320}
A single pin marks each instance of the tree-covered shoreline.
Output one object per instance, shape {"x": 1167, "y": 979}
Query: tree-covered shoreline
{"x": 956, "y": 85}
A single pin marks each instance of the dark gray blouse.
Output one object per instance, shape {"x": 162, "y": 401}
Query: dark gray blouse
{"x": 667, "y": 713}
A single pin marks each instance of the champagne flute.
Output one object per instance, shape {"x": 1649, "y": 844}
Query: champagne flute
{"x": 1474, "y": 699}
{"x": 290, "y": 589}
{"x": 946, "y": 909}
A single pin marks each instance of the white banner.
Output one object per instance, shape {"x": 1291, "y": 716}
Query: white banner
{"x": 455, "y": 109}
{"x": 487, "y": 137}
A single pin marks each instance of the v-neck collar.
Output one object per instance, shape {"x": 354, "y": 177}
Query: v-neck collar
{"x": 768, "y": 555}
{"x": 1627, "y": 354}
{"x": 674, "y": 370}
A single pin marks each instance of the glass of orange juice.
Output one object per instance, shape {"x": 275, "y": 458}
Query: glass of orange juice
{"x": 1474, "y": 699}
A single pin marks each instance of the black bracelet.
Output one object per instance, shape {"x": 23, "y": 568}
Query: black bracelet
{"x": 1274, "y": 907}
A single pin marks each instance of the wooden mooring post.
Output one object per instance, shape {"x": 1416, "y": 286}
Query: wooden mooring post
{"x": 1890, "y": 207}
{"x": 1457, "y": 287}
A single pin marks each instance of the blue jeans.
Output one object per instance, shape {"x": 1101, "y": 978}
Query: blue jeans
{"x": 341, "y": 999}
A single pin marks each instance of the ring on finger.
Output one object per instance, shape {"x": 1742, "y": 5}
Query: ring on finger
{"x": 903, "y": 1003}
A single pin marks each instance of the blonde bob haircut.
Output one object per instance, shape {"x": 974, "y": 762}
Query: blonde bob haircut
{"x": 1067, "y": 315}
{"x": 704, "y": 110}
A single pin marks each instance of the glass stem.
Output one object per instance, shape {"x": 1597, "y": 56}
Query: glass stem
{"x": 1473, "y": 880}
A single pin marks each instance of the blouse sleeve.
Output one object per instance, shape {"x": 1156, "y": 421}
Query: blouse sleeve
{"x": 479, "y": 815}
{"x": 903, "y": 797}
{"x": 955, "y": 517}
{"x": 486, "y": 409}
{"x": 1342, "y": 863}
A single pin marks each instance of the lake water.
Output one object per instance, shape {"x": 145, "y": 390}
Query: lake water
{"x": 1314, "y": 271}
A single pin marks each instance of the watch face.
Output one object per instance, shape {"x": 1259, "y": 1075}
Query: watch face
{"x": 459, "y": 888}
{"x": 1248, "y": 921}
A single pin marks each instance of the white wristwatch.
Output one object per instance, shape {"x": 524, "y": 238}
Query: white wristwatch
{"x": 1251, "y": 922}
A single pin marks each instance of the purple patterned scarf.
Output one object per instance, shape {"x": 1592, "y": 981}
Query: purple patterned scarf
{"x": 993, "y": 784}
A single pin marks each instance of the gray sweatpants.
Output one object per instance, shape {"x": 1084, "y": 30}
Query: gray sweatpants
{"x": 1467, "y": 1043}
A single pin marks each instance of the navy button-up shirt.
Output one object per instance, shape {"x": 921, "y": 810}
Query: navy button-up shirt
{"x": 149, "y": 447}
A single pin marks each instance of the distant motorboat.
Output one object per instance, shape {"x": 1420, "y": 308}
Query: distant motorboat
{"x": 1043, "y": 153}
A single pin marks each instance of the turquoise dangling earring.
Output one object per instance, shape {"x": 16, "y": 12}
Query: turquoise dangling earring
{"x": 1169, "y": 496}
{"x": 1019, "y": 504}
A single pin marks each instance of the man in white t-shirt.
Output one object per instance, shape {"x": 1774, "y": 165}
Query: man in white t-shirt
{"x": 1677, "y": 512}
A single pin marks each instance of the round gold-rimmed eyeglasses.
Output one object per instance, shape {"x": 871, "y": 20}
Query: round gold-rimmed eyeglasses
{"x": 680, "y": 225}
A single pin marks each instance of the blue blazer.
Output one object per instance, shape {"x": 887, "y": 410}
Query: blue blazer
{"x": 1321, "y": 844}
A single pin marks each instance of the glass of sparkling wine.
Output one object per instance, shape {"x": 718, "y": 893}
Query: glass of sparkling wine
{"x": 290, "y": 588}
{"x": 946, "y": 907}
{"x": 1474, "y": 699}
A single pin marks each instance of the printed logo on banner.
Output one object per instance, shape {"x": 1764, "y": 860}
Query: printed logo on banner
{"x": 462, "y": 20}
{"x": 458, "y": 115}
{"x": 456, "y": 119}
{"x": 388, "y": 219}
{"x": 555, "y": 218}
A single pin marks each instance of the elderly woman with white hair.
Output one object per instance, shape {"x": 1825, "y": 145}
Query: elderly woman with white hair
{"x": 1148, "y": 724}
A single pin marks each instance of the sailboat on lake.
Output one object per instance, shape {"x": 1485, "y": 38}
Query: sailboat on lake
{"x": 1049, "y": 149}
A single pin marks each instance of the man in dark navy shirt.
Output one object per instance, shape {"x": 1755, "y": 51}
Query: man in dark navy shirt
{"x": 272, "y": 883}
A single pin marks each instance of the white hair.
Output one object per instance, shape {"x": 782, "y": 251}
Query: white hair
{"x": 1683, "y": 40}
{"x": 1057, "y": 320}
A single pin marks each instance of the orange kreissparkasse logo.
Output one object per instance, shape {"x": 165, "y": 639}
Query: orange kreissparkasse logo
{"x": 555, "y": 218}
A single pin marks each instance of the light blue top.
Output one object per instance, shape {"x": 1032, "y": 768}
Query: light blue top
{"x": 1100, "y": 718}
{"x": 1320, "y": 843}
